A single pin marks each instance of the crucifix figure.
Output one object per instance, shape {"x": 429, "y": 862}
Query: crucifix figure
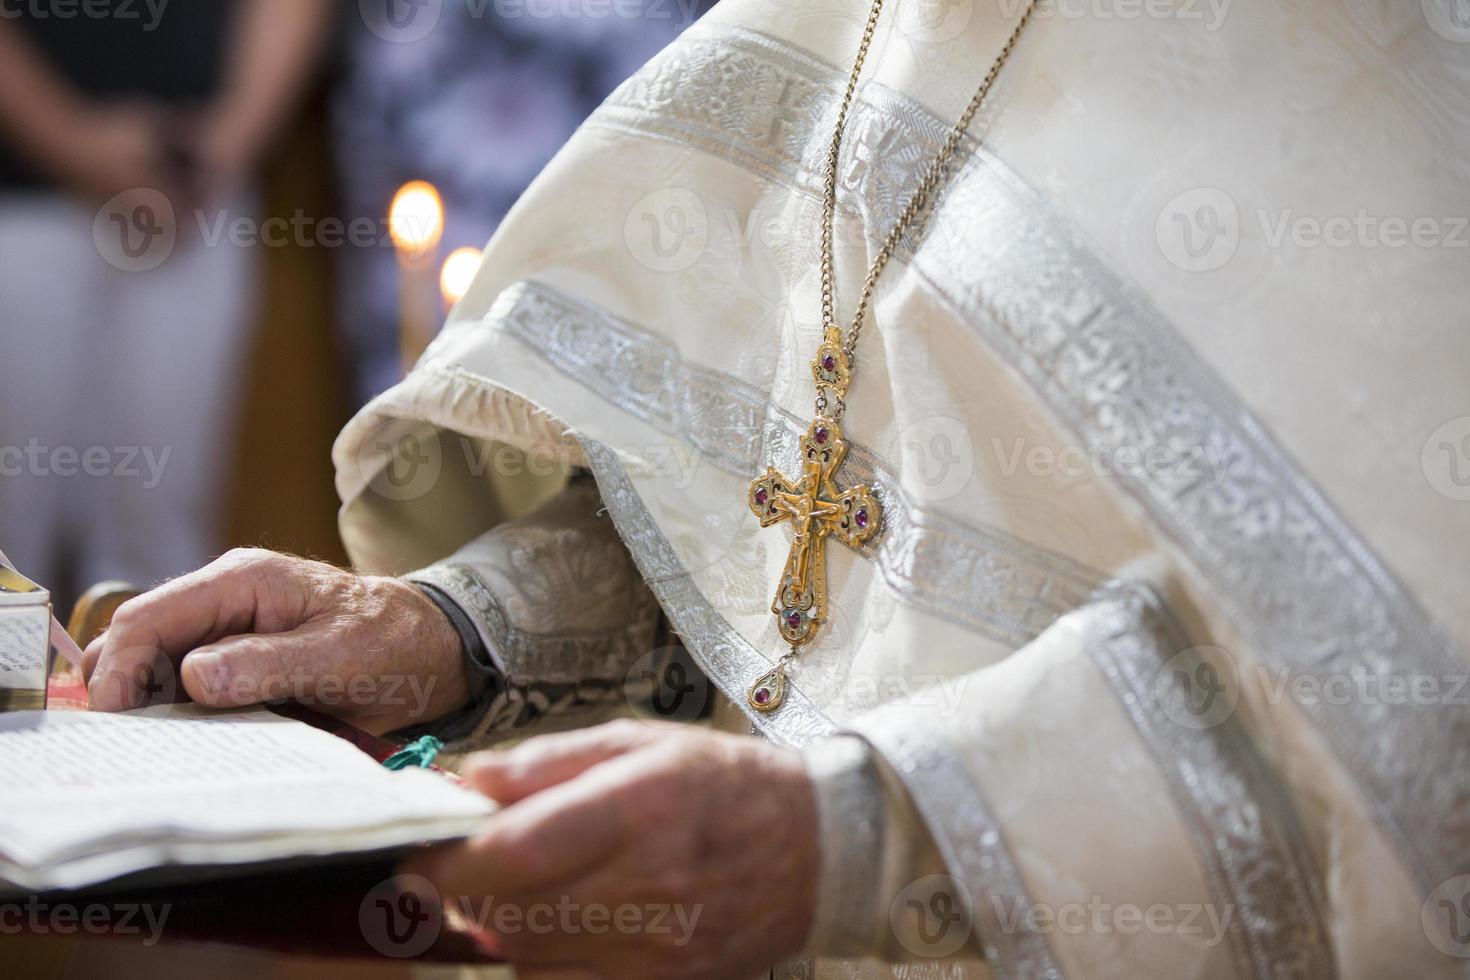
{"x": 817, "y": 508}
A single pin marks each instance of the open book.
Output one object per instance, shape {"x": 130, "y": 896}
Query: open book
{"x": 89, "y": 798}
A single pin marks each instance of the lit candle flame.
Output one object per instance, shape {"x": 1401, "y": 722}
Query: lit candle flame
{"x": 459, "y": 271}
{"x": 416, "y": 219}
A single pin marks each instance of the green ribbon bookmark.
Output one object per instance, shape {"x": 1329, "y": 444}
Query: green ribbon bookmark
{"x": 419, "y": 754}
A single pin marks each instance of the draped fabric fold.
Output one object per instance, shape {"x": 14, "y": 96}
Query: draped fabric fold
{"x": 1084, "y": 678}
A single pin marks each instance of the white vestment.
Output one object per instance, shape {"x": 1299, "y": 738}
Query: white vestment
{"x": 1160, "y": 652}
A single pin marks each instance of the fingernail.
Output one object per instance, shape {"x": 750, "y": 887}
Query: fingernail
{"x": 114, "y": 691}
{"x": 211, "y": 671}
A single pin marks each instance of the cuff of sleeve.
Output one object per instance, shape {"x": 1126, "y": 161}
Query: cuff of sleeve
{"x": 851, "y": 819}
{"x": 485, "y": 679}
{"x": 465, "y": 594}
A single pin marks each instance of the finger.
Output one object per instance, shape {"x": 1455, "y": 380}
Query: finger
{"x": 550, "y": 760}
{"x": 224, "y": 597}
{"x": 91, "y": 655}
{"x": 547, "y": 839}
{"x": 567, "y": 925}
{"x": 254, "y": 668}
{"x": 119, "y": 665}
{"x": 132, "y": 679}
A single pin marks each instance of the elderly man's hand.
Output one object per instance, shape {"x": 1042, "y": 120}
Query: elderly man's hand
{"x": 258, "y": 626}
{"x": 639, "y": 850}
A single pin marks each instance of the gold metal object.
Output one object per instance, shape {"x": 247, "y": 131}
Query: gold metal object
{"x": 814, "y": 504}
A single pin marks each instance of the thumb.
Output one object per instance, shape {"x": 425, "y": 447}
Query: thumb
{"x": 550, "y": 760}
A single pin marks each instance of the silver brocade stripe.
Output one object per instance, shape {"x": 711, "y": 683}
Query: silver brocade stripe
{"x": 1295, "y": 578}
{"x": 977, "y": 577}
{"x": 968, "y": 838}
{"x": 964, "y": 830}
{"x": 1235, "y": 809}
{"x": 852, "y": 823}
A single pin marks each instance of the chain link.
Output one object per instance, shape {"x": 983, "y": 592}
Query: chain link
{"x": 933, "y": 177}
{"x": 829, "y": 208}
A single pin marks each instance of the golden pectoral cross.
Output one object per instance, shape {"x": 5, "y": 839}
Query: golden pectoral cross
{"x": 817, "y": 509}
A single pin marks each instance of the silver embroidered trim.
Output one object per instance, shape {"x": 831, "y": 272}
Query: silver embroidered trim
{"x": 976, "y": 577}
{"x": 541, "y": 658}
{"x": 794, "y": 970}
{"x": 852, "y": 821}
{"x": 1238, "y": 815}
{"x": 967, "y": 837}
{"x": 1301, "y": 584}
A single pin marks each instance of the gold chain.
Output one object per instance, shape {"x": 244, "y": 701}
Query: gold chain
{"x": 932, "y": 178}
{"x": 815, "y": 503}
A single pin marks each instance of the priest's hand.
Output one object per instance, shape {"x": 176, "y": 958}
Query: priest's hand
{"x": 258, "y": 626}
{"x": 639, "y": 850}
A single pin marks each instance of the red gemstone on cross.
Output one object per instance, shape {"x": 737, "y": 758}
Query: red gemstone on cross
{"x": 821, "y": 436}
{"x": 829, "y": 363}
{"x": 793, "y": 620}
{"x": 761, "y": 497}
{"x": 862, "y": 518}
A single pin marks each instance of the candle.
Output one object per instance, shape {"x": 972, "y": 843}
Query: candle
{"x": 458, "y": 272}
{"x": 416, "y": 225}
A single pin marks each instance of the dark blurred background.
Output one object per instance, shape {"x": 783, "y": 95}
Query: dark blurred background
{"x": 227, "y": 224}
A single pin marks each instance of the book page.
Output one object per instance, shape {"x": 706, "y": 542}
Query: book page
{"x": 23, "y": 647}
{"x": 85, "y": 797}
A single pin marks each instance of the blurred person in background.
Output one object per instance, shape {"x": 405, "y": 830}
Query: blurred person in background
{"x": 122, "y": 328}
{"x": 476, "y": 99}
